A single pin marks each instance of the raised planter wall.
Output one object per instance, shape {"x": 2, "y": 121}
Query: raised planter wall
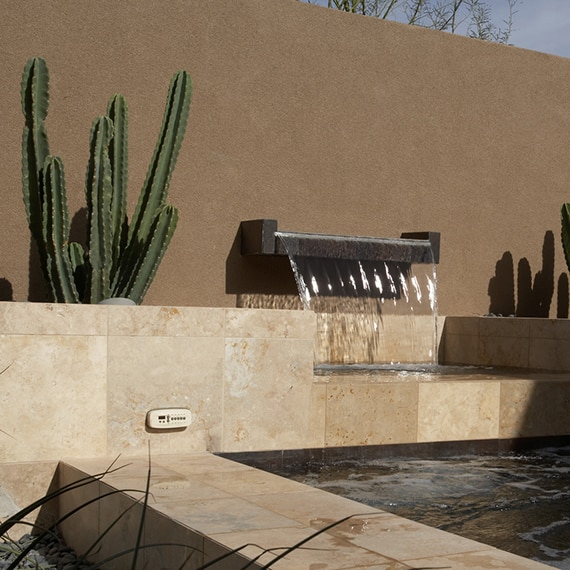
{"x": 79, "y": 381}
{"x": 514, "y": 342}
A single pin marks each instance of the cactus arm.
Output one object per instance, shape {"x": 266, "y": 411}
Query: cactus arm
{"x": 35, "y": 147}
{"x": 79, "y": 266}
{"x": 76, "y": 255}
{"x": 150, "y": 254}
{"x": 565, "y": 215}
{"x": 98, "y": 189}
{"x": 56, "y": 233}
{"x": 155, "y": 188}
{"x": 117, "y": 111}
{"x": 35, "y": 103}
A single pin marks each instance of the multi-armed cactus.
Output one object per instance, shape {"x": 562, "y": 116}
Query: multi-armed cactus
{"x": 121, "y": 259}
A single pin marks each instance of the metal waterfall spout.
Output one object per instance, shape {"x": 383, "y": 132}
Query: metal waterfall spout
{"x": 375, "y": 298}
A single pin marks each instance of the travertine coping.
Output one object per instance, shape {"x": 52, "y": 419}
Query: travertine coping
{"x": 212, "y": 506}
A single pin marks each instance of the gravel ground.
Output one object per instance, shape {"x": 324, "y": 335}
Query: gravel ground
{"x": 50, "y": 554}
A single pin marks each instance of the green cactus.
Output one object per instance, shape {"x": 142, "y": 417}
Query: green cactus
{"x": 565, "y": 218}
{"x": 121, "y": 259}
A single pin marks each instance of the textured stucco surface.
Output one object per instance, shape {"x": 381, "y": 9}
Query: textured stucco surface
{"x": 328, "y": 122}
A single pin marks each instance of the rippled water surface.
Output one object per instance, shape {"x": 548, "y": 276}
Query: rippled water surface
{"x": 519, "y": 503}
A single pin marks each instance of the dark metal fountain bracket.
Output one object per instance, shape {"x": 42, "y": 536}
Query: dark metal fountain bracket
{"x": 258, "y": 237}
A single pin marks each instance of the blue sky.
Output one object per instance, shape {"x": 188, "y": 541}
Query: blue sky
{"x": 540, "y": 25}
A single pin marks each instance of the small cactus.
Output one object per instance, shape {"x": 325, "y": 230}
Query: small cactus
{"x": 121, "y": 258}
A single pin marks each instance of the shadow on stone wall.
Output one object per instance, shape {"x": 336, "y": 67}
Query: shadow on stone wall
{"x": 533, "y": 295}
{"x": 547, "y": 411}
{"x": 258, "y": 274}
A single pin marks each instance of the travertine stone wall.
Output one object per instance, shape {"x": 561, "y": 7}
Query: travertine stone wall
{"x": 79, "y": 381}
{"x": 538, "y": 344}
{"x": 325, "y": 121}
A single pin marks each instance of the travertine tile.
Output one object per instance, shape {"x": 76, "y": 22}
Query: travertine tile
{"x": 317, "y": 416}
{"x": 158, "y": 372}
{"x": 322, "y": 551}
{"x": 8, "y": 507}
{"x": 174, "y": 489}
{"x": 267, "y": 394}
{"x": 87, "y": 517}
{"x": 465, "y": 326}
{"x": 116, "y": 467}
{"x": 371, "y": 413}
{"x": 449, "y": 411}
{"x": 199, "y": 464}
{"x": 369, "y": 337}
{"x": 489, "y": 558}
{"x": 176, "y": 546}
{"x": 516, "y": 397}
{"x": 253, "y": 482}
{"x": 120, "y": 517}
{"x": 26, "y": 482}
{"x": 532, "y": 408}
{"x": 311, "y": 507}
{"x": 233, "y": 514}
{"x": 52, "y": 395}
{"x": 265, "y": 323}
{"x": 460, "y": 349}
{"x": 20, "y": 485}
{"x": 165, "y": 484}
{"x": 165, "y": 321}
{"x": 221, "y": 556}
{"x": 503, "y": 351}
{"x": 550, "y": 328}
{"x": 504, "y": 327}
{"x": 371, "y": 539}
{"x": 52, "y": 319}
{"x": 402, "y": 539}
{"x": 409, "y": 338}
{"x": 549, "y": 354}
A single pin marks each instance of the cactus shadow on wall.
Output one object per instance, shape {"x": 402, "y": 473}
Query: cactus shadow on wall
{"x": 6, "y": 291}
{"x": 37, "y": 291}
{"x": 502, "y": 287}
{"x": 36, "y": 284}
{"x": 533, "y": 296}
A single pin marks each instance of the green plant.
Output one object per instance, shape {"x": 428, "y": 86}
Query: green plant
{"x": 121, "y": 259}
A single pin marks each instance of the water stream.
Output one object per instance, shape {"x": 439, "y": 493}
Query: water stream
{"x": 368, "y": 311}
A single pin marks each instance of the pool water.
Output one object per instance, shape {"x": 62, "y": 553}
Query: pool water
{"x": 517, "y": 502}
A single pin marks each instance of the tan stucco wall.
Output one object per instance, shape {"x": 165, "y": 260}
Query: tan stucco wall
{"x": 326, "y": 121}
